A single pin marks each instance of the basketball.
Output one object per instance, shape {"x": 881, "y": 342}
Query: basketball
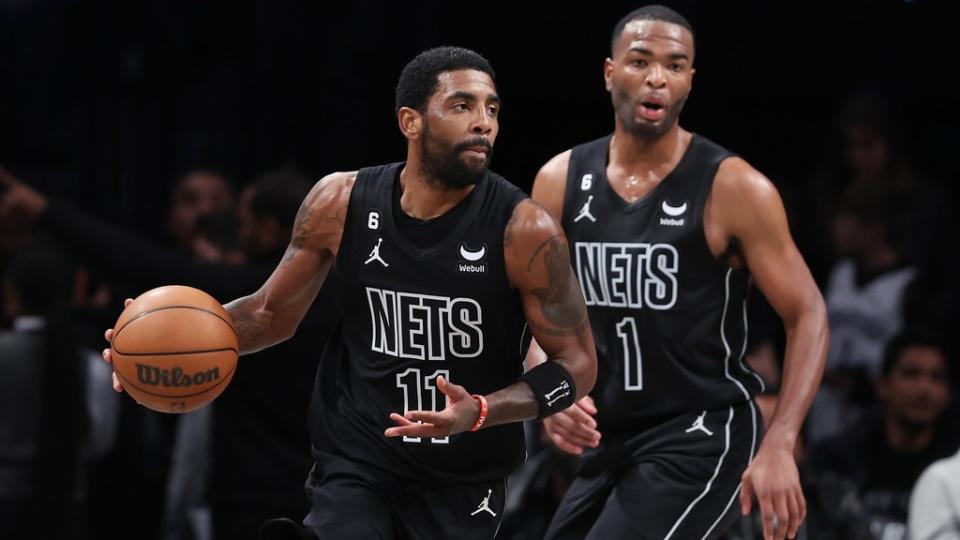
{"x": 174, "y": 349}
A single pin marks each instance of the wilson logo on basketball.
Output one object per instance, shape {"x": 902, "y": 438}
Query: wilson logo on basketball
{"x": 173, "y": 378}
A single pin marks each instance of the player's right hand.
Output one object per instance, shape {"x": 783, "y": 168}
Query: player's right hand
{"x": 107, "y": 354}
{"x": 574, "y": 429}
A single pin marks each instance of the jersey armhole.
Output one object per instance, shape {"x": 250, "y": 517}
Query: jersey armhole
{"x": 703, "y": 196}
{"x": 345, "y": 253}
{"x": 569, "y": 188}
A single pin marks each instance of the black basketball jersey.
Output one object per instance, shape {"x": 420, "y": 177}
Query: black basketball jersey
{"x": 669, "y": 320}
{"x": 410, "y": 315}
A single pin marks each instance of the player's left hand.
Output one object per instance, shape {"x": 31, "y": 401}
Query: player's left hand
{"x": 773, "y": 479}
{"x": 459, "y": 415}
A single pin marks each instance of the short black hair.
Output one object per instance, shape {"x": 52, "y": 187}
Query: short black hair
{"x": 418, "y": 80}
{"x": 913, "y": 337}
{"x": 653, "y": 12}
{"x": 278, "y": 194}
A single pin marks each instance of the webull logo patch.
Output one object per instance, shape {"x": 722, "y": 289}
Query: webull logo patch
{"x": 672, "y": 222}
{"x": 174, "y": 378}
{"x": 472, "y": 268}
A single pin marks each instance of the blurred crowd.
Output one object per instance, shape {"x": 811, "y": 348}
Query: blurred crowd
{"x": 878, "y": 456}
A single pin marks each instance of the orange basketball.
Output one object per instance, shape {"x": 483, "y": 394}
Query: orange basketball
{"x": 174, "y": 349}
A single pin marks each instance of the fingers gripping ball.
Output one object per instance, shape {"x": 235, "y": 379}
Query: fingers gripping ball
{"x": 174, "y": 349}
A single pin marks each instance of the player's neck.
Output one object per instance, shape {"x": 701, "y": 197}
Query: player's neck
{"x": 640, "y": 153}
{"x": 426, "y": 198}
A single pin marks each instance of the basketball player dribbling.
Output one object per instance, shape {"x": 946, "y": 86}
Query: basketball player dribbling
{"x": 442, "y": 263}
{"x": 666, "y": 230}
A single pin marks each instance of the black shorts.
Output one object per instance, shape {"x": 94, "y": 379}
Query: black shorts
{"x": 679, "y": 480}
{"x": 353, "y": 500}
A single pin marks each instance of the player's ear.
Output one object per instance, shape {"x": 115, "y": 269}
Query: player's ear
{"x": 608, "y": 74}
{"x": 410, "y": 121}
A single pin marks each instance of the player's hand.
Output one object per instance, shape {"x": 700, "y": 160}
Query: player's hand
{"x": 18, "y": 200}
{"x": 773, "y": 479}
{"x": 459, "y": 415}
{"x": 107, "y": 353}
{"x": 574, "y": 428}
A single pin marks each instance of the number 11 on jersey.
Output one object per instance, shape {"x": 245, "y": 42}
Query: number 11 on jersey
{"x": 632, "y": 359}
{"x": 414, "y": 386}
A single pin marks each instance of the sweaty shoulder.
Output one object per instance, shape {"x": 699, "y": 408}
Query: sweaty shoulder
{"x": 550, "y": 184}
{"x": 322, "y": 215}
{"x": 740, "y": 192}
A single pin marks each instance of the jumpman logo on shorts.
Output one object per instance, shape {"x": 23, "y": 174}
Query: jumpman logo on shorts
{"x": 375, "y": 254}
{"x": 485, "y": 505}
{"x": 698, "y": 425}
{"x": 585, "y": 212}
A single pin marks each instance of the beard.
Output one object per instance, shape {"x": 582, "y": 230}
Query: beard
{"x": 442, "y": 161}
{"x": 642, "y": 129}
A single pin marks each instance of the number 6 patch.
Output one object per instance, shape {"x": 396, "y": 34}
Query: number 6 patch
{"x": 373, "y": 220}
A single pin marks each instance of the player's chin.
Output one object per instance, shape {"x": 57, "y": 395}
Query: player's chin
{"x": 470, "y": 173}
{"x": 474, "y": 162}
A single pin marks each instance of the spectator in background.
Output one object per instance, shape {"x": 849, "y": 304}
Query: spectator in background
{"x": 197, "y": 195}
{"x": 865, "y": 290}
{"x": 865, "y": 152}
{"x": 885, "y": 454}
{"x": 864, "y": 296}
{"x": 124, "y": 255}
{"x": 259, "y": 443}
{"x": 217, "y": 240}
{"x": 935, "y": 502}
{"x": 55, "y": 410}
{"x": 136, "y": 469}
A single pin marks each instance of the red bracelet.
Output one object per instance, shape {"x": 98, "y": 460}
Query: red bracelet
{"x": 483, "y": 412}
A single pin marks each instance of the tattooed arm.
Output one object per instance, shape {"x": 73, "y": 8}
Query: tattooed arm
{"x": 272, "y": 314}
{"x": 538, "y": 265}
{"x": 573, "y": 428}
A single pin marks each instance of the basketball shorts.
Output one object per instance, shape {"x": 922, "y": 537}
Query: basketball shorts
{"x": 351, "y": 499}
{"x": 679, "y": 480}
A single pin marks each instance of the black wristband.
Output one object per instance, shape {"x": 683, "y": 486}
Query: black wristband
{"x": 553, "y": 387}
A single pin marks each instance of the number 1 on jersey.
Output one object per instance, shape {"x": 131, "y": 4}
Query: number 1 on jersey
{"x": 414, "y": 386}
{"x": 632, "y": 359}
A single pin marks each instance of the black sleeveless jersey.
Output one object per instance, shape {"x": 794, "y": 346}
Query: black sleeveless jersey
{"x": 410, "y": 315}
{"x": 669, "y": 320}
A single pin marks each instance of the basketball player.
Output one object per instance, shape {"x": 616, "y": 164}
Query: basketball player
{"x": 666, "y": 229}
{"x": 441, "y": 261}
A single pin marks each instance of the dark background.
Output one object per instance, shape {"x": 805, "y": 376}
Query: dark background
{"x": 107, "y": 102}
